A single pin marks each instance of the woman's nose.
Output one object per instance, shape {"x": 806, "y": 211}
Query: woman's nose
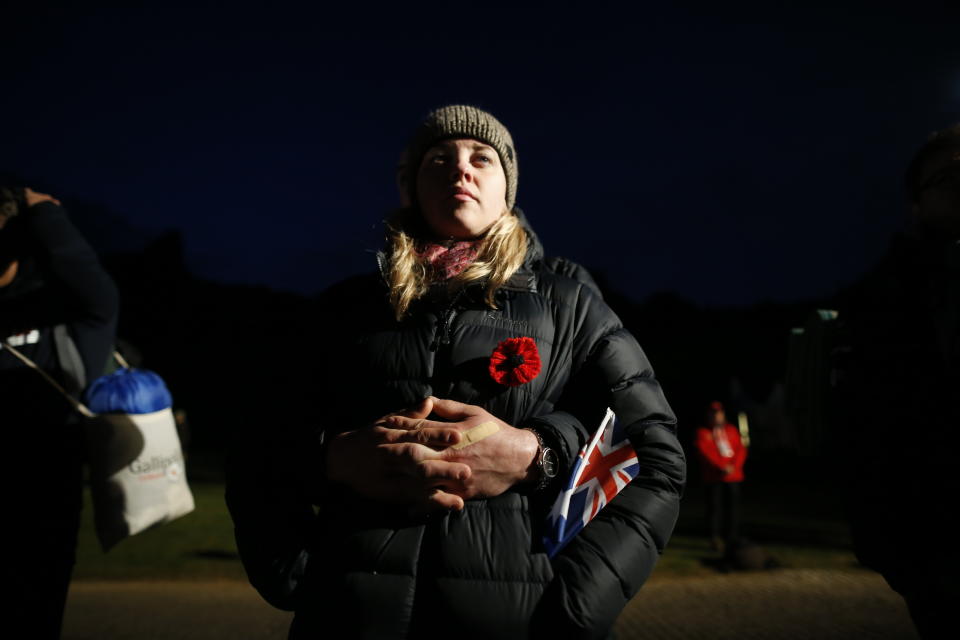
{"x": 463, "y": 170}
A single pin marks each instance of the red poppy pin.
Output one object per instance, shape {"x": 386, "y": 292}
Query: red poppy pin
{"x": 515, "y": 361}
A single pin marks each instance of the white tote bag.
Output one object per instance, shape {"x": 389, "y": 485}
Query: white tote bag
{"x": 137, "y": 474}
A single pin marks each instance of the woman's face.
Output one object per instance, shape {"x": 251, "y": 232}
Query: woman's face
{"x": 461, "y": 188}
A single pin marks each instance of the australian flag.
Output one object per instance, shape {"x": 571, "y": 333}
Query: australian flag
{"x": 603, "y": 467}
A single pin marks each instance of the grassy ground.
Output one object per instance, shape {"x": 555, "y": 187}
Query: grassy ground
{"x": 198, "y": 546}
{"x": 800, "y": 526}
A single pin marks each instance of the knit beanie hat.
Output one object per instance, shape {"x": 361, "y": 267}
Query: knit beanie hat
{"x": 461, "y": 121}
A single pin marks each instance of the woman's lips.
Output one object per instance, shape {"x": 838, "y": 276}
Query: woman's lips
{"x": 463, "y": 195}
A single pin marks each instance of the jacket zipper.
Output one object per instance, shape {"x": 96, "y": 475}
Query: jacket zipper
{"x": 445, "y": 325}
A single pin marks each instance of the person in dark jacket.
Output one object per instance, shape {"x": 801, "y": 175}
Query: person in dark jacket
{"x": 897, "y": 378}
{"x": 458, "y": 384}
{"x": 58, "y": 307}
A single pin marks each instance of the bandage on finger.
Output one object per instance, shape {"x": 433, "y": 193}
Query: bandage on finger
{"x": 476, "y": 434}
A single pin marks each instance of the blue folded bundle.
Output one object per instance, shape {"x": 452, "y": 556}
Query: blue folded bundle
{"x": 132, "y": 391}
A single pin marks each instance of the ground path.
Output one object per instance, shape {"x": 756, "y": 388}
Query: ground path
{"x": 782, "y": 604}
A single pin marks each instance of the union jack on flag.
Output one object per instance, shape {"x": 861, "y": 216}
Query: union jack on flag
{"x": 603, "y": 467}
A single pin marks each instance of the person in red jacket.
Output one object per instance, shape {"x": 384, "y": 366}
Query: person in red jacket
{"x": 722, "y": 455}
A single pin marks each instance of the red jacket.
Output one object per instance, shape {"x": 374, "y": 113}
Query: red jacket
{"x": 712, "y": 464}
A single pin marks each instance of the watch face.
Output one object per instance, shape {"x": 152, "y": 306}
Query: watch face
{"x": 550, "y": 462}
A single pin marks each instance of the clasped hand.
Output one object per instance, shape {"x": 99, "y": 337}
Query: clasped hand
{"x": 407, "y": 459}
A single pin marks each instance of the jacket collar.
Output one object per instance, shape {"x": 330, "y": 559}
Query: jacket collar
{"x": 525, "y": 278}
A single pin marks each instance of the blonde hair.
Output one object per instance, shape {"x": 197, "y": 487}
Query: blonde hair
{"x": 501, "y": 252}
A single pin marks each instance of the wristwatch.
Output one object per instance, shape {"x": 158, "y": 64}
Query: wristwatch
{"x": 547, "y": 461}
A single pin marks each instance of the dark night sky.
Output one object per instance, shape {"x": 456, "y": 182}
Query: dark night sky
{"x": 728, "y": 155}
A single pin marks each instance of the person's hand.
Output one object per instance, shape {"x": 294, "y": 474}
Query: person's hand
{"x": 729, "y": 469}
{"x": 32, "y": 197}
{"x": 401, "y": 464}
{"x": 497, "y": 462}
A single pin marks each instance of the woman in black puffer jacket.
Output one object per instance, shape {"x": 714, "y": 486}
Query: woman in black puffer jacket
{"x": 461, "y": 382}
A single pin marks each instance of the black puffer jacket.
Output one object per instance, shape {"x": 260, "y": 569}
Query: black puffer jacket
{"x": 481, "y": 572}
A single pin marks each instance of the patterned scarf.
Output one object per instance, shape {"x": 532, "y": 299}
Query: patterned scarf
{"x": 448, "y": 260}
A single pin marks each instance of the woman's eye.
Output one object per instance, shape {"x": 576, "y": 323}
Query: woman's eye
{"x": 482, "y": 159}
{"x": 438, "y": 159}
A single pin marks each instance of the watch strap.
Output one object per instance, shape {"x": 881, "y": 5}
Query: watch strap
{"x": 543, "y": 480}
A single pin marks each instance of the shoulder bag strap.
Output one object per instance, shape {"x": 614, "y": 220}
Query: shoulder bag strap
{"x": 79, "y": 406}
